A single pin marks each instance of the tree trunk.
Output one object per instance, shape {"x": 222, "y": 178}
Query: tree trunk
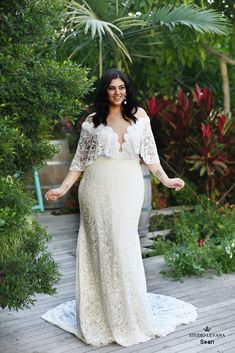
{"x": 224, "y": 60}
{"x": 225, "y": 86}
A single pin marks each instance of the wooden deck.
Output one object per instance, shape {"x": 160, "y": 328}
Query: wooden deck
{"x": 26, "y": 332}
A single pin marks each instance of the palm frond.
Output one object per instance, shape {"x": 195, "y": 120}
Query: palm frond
{"x": 82, "y": 16}
{"x": 141, "y": 32}
{"x": 99, "y": 7}
{"x": 127, "y": 22}
{"x": 142, "y": 56}
{"x": 198, "y": 19}
{"x": 80, "y": 48}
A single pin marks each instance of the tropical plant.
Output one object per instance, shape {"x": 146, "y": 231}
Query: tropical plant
{"x": 215, "y": 144}
{"x": 119, "y": 36}
{"x": 195, "y": 133}
{"x": 201, "y": 58}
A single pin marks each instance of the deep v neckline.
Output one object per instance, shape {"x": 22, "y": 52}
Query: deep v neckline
{"x": 117, "y": 135}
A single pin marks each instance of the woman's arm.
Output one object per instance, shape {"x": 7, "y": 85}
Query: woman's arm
{"x": 78, "y": 163}
{"x": 149, "y": 154}
{"x": 157, "y": 170}
{"x": 70, "y": 179}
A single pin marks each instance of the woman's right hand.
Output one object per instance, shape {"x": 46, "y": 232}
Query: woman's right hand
{"x": 54, "y": 194}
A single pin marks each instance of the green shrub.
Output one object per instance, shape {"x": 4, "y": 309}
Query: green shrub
{"x": 36, "y": 91}
{"x": 160, "y": 222}
{"x": 214, "y": 227}
{"x": 186, "y": 196}
{"x": 160, "y": 246}
{"x": 26, "y": 266}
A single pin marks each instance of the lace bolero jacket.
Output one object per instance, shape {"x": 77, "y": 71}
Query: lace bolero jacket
{"x": 103, "y": 140}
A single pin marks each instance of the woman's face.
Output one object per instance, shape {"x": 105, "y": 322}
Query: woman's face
{"x": 116, "y": 92}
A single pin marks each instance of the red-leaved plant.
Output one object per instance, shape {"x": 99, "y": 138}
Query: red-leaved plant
{"x": 195, "y": 133}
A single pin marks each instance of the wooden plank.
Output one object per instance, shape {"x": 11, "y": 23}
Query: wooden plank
{"x": 172, "y": 345}
{"x": 26, "y": 332}
{"x": 159, "y": 234}
{"x": 168, "y": 211}
{"x": 62, "y": 331}
{"x": 180, "y": 336}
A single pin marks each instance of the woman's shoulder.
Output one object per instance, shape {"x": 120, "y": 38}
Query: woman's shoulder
{"x": 88, "y": 124}
{"x": 89, "y": 118}
{"x": 141, "y": 113}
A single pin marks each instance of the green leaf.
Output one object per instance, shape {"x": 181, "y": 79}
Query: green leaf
{"x": 199, "y": 20}
{"x": 202, "y": 171}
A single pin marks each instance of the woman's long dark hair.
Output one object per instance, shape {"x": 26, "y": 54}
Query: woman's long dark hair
{"x": 101, "y": 104}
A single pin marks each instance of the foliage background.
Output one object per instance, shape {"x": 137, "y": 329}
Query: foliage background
{"x": 165, "y": 60}
{"x": 36, "y": 92}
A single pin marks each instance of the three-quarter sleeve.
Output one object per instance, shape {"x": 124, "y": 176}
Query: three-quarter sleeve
{"x": 148, "y": 148}
{"x": 79, "y": 161}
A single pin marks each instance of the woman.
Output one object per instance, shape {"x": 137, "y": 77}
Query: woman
{"x": 112, "y": 303}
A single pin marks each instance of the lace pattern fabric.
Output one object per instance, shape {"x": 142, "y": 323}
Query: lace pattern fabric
{"x": 112, "y": 303}
{"x": 102, "y": 140}
{"x": 167, "y": 314}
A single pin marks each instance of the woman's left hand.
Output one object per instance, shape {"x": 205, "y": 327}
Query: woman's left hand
{"x": 175, "y": 183}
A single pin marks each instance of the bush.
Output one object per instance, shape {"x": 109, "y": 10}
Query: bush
{"x": 26, "y": 266}
{"x": 161, "y": 222}
{"x": 196, "y": 139}
{"x": 205, "y": 240}
{"x": 187, "y": 196}
{"x": 160, "y": 246}
{"x": 36, "y": 91}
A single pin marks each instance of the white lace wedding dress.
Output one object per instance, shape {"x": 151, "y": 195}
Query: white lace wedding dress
{"x": 112, "y": 303}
